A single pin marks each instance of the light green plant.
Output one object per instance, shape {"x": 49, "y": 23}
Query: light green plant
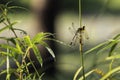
{"x": 18, "y": 48}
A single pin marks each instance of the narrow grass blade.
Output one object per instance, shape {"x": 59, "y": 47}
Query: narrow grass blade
{"x": 110, "y": 73}
{"x": 40, "y": 37}
{"x": 108, "y": 46}
{"x": 2, "y": 61}
{"x": 7, "y": 27}
{"x": 61, "y": 42}
{"x": 96, "y": 47}
{"x": 48, "y": 48}
{"x": 112, "y": 49}
{"x": 113, "y": 57}
{"x": 13, "y": 49}
{"x": 18, "y": 7}
{"x": 5, "y": 54}
{"x": 2, "y": 19}
{"x": 77, "y": 73}
{"x": 24, "y": 32}
{"x": 117, "y": 36}
{"x": 87, "y": 74}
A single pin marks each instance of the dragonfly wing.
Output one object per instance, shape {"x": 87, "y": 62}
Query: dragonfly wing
{"x": 73, "y": 26}
{"x": 86, "y": 34}
{"x": 71, "y": 30}
{"x": 74, "y": 39}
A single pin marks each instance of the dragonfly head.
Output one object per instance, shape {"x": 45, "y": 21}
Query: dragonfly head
{"x": 83, "y": 27}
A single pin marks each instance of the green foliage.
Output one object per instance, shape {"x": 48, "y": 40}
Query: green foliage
{"x": 18, "y": 48}
{"x": 111, "y": 48}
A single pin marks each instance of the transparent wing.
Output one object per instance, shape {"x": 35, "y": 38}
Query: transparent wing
{"x": 72, "y": 29}
{"x": 86, "y": 34}
{"x": 73, "y": 26}
{"x": 74, "y": 40}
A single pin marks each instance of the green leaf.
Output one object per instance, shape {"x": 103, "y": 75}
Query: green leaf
{"x": 58, "y": 41}
{"x": 108, "y": 46}
{"x": 27, "y": 41}
{"x": 77, "y": 73}
{"x": 24, "y": 32}
{"x": 37, "y": 54}
{"x": 87, "y": 74}
{"x": 96, "y": 47}
{"x": 13, "y": 49}
{"x": 5, "y": 71}
{"x": 112, "y": 49}
{"x": 40, "y": 77}
{"x": 18, "y": 7}
{"x": 40, "y": 37}
{"x": 48, "y": 48}
{"x": 50, "y": 51}
{"x": 2, "y": 61}
{"x": 113, "y": 71}
{"x": 113, "y": 57}
{"x": 2, "y": 19}
{"x": 7, "y": 27}
{"x": 11, "y": 39}
{"x": 5, "y": 53}
{"x": 116, "y": 37}
{"x": 18, "y": 46}
{"x": 35, "y": 49}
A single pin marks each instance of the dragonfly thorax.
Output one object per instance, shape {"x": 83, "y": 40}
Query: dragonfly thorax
{"x": 81, "y": 29}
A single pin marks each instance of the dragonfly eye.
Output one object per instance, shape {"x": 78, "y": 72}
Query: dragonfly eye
{"x": 83, "y": 27}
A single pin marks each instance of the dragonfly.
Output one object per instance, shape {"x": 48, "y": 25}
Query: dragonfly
{"x": 79, "y": 34}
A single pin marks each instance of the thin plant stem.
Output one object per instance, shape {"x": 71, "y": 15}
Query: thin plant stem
{"x": 12, "y": 28}
{"x": 110, "y": 66}
{"x": 110, "y": 73}
{"x": 81, "y": 39}
{"x": 82, "y": 56}
{"x": 33, "y": 66}
{"x": 8, "y": 21}
{"x": 80, "y": 13}
{"x": 77, "y": 73}
{"x": 8, "y": 65}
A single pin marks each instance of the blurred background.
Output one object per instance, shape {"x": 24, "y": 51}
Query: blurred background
{"x": 101, "y": 18}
